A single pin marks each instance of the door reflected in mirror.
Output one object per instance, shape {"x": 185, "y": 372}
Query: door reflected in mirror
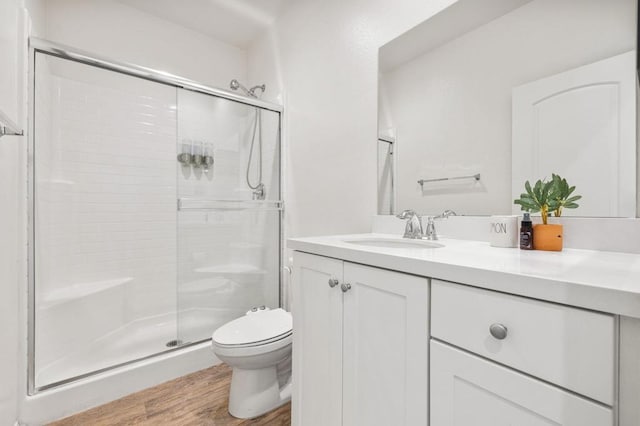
{"x": 511, "y": 90}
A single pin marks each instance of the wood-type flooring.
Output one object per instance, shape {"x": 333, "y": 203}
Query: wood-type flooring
{"x": 197, "y": 399}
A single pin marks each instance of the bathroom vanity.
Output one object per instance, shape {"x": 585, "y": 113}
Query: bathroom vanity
{"x": 389, "y": 331}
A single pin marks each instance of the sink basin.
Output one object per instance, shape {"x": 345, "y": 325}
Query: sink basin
{"x": 394, "y": 243}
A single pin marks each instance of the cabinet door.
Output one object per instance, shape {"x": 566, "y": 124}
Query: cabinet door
{"x": 468, "y": 390}
{"x": 317, "y": 341}
{"x": 385, "y": 348}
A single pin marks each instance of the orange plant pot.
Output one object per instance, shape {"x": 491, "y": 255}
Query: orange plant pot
{"x": 547, "y": 237}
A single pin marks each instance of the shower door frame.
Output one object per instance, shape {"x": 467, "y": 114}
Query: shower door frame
{"x": 37, "y": 45}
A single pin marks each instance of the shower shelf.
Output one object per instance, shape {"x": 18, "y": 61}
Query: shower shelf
{"x": 185, "y": 204}
{"x": 8, "y": 127}
{"x": 79, "y": 291}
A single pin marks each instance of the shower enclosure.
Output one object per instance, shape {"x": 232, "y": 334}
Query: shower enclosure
{"x": 144, "y": 234}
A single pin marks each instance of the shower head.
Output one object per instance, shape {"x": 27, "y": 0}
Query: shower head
{"x": 235, "y": 85}
{"x": 262, "y": 87}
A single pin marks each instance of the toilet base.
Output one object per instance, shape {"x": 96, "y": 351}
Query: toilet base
{"x": 255, "y": 392}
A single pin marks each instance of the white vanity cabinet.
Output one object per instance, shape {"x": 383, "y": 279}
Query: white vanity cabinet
{"x": 360, "y": 344}
{"x": 506, "y": 348}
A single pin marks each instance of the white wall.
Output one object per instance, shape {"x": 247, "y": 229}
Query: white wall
{"x": 321, "y": 59}
{"x": 12, "y": 243}
{"x": 123, "y": 33}
{"x": 451, "y": 107}
{"x": 10, "y": 282}
{"x": 10, "y": 90}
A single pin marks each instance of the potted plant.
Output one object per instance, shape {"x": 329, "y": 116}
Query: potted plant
{"x": 548, "y": 197}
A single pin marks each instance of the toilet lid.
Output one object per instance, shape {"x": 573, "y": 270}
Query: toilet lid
{"x": 255, "y": 327}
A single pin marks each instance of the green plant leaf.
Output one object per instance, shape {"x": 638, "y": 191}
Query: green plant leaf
{"x": 560, "y": 195}
{"x": 525, "y": 203}
{"x": 548, "y": 196}
{"x": 527, "y": 187}
{"x": 537, "y": 189}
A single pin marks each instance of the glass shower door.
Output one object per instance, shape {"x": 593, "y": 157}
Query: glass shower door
{"x": 104, "y": 219}
{"x": 229, "y": 212}
{"x": 156, "y": 216}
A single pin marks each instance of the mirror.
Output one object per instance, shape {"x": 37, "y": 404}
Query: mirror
{"x": 486, "y": 95}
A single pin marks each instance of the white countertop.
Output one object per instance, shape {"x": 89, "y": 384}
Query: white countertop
{"x": 598, "y": 280}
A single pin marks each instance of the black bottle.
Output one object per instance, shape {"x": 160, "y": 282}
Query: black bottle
{"x": 526, "y": 233}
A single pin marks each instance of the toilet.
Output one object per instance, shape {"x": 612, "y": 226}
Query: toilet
{"x": 257, "y": 347}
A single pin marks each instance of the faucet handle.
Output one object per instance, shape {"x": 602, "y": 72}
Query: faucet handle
{"x": 406, "y": 214}
{"x": 430, "y": 232}
{"x": 445, "y": 214}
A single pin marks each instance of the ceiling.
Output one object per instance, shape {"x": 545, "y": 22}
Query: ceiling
{"x": 236, "y": 22}
{"x": 454, "y": 21}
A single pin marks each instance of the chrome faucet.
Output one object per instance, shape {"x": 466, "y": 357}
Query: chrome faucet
{"x": 413, "y": 229}
{"x": 430, "y": 233}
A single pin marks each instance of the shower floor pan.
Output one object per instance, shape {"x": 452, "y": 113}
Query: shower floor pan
{"x": 136, "y": 340}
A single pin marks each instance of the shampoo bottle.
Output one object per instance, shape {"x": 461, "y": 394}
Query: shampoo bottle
{"x": 526, "y": 233}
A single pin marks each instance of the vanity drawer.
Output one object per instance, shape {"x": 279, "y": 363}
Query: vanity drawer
{"x": 469, "y": 390}
{"x": 569, "y": 347}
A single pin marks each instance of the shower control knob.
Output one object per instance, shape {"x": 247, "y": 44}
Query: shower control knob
{"x": 345, "y": 287}
{"x": 333, "y": 282}
{"x": 498, "y": 331}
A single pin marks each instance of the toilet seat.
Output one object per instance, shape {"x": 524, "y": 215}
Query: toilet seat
{"x": 255, "y": 329}
{"x": 252, "y": 350}
{"x": 252, "y": 344}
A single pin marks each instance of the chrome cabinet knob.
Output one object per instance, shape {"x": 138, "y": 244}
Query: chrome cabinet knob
{"x": 345, "y": 287}
{"x": 333, "y": 282}
{"x": 498, "y": 331}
